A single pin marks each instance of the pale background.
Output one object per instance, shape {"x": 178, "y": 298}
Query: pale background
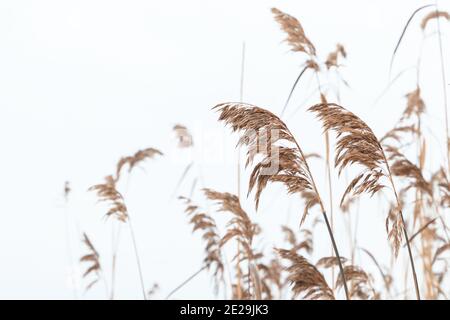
{"x": 83, "y": 83}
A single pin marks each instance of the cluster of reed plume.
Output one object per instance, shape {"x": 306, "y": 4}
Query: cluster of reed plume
{"x": 381, "y": 165}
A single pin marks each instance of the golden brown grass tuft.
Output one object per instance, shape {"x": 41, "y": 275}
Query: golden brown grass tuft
{"x": 107, "y": 192}
{"x": 138, "y": 157}
{"x": 263, "y": 134}
{"x": 356, "y": 144}
{"x": 360, "y": 286}
{"x": 402, "y": 167}
{"x": 243, "y": 228}
{"x": 296, "y": 35}
{"x": 306, "y": 280}
{"x": 396, "y": 162}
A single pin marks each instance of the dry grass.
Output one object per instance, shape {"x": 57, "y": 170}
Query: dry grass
{"x": 134, "y": 160}
{"x": 296, "y": 36}
{"x": 107, "y": 192}
{"x": 92, "y": 259}
{"x": 241, "y": 228}
{"x": 333, "y": 57}
{"x": 357, "y": 144}
{"x": 305, "y": 278}
{"x": 204, "y": 223}
{"x": 263, "y": 131}
{"x": 396, "y": 167}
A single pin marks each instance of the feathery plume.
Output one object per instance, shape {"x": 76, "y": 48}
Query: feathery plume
{"x": 265, "y": 134}
{"x": 360, "y": 282}
{"x": 306, "y": 244}
{"x": 241, "y": 227}
{"x": 402, "y": 167}
{"x": 135, "y": 159}
{"x": 243, "y": 230}
{"x": 305, "y": 278}
{"x": 296, "y": 37}
{"x": 92, "y": 258}
{"x": 356, "y": 144}
{"x": 107, "y": 192}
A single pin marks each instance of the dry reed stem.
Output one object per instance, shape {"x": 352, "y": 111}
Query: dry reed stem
{"x": 238, "y": 166}
{"x": 181, "y": 285}
{"x": 440, "y": 251}
{"x": 421, "y": 229}
{"x": 399, "y": 41}
{"x": 444, "y": 81}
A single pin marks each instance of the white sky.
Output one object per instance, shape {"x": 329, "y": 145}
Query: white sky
{"x": 84, "y": 82}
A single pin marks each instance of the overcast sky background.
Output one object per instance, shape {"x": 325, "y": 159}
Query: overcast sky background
{"x": 83, "y": 83}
